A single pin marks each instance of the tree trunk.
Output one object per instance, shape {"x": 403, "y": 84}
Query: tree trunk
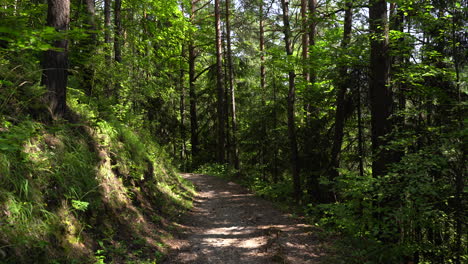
{"x": 360, "y": 132}
{"x": 192, "y": 92}
{"x": 291, "y": 102}
{"x": 219, "y": 86}
{"x": 262, "y": 49}
{"x": 379, "y": 90}
{"x": 460, "y": 171}
{"x": 89, "y": 46}
{"x": 275, "y": 133}
{"x": 118, "y": 36}
{"x": 107, "y": 28}
{"x": 342, "y": 85}
{"x": 235, "y": 149}
{"x": 227, "y": 105}
{"x": 91, "y": 20}
{"x": 305, "y": 43}
{"x": 182, "y": 108}
{"x": 193, "y": 102}
{"x": 55, "y": 63}
{"x": 262, "y": 89}
{"x": 312, "y": 163}
{"x": 380, "y": 107}
{"x": 312, "y": 72}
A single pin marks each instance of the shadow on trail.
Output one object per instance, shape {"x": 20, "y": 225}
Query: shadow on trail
{"x": 230, "y": 225}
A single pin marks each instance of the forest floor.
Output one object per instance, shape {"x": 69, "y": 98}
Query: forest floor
{"x": 228, "y": 224}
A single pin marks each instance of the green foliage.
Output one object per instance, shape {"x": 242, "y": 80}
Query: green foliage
{"x": 215, "y": 169}
{"x": 80, "y": 205}
{"x": 281, "y": 191}
{"x": 64, "y": 184}
{"x": 380, "y": 215}
{"x": 352, "y": 216}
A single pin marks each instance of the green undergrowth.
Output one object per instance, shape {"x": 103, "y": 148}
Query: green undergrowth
{"x": 94, "y": 190}
{"x": 349, "y": 230}
{"x": 280, "y": 192}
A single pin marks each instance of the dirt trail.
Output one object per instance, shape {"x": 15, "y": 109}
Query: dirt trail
{"x": 230, "y": 225}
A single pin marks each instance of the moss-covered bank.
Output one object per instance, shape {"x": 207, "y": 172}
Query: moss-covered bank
{"x": 91, "y": 190}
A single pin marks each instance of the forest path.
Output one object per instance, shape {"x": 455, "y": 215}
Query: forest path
{"x": 228, "y": 225}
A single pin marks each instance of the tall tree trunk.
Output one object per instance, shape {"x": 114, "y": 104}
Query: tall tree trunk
{"x": 311, "y": 40}
{"x": 227, "y": 104}
{"x": 219, "y": 86}
{"x": 275, "y": 133}
{"x": 192, "y": 92}
{"x": 311, "y": 159}
{"x": 380, "y": 107}
{"x": 118, "y": 40}
{"x": 342, "y": 85}
{"x": 360, "y": 132}
{"x": 193, "y": 102}
{"x": 118, "y": 36}
{"x": 262, "y": 49}
{"x": 262, "y": 87}
{"x": 235, "y": 149}
{"x": 291, "y": 102}
{"x": 379, "y": 90}
{"x": 398, "y": 63}
{"x": 55, "y": 63}
{"x": 89, "y": 46}
{"x": 107, "y": 28}
{"x": 182, "y": 108}
{"x": 107, "y": 45}
{"x": 305, "y": 43}
{"x": 91, "y": 20}
{"x": 460, "y": 171}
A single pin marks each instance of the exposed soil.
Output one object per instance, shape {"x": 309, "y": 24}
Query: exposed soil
{"x": 228, "y": 224}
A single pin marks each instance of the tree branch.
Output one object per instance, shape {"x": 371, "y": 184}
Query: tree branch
{"x": 203, "y": 71}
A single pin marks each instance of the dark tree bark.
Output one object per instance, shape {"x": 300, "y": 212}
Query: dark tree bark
{"x": 55, "y": 63}
{"x": 275, "y": 131}
{"x": 182, "y": 109}
{"x": 107, "y": 28}
{"x": 360, "y": 132}
{"x": 312, "y": 6}
{"x": 118, "y": 35}
{"x": 193, "y": 102}
{"x": 107, "y": 44}
{"x": 265, "y": 147}
{"x": 192, "y": 91}
{"x": 291, "y": 102}
{"x": 460, "y": 171}
{"x": 380, "y": 105}
{"x": 235, "y": 149}
{"x": 379, "y": 90}
{"x": 219, "y": 86}
{"x": 342, "y": 85}
{"x": 312, "y": 161}
{"x": 262, "y": 49}
{"x": 305, "y": 42}
{"x": 227, "y": 103}
{"x": 262, "y": 86}
{"x": 89, "y": 45}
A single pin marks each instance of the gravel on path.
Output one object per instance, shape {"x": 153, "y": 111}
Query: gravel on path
{"x": 228, "y": 224}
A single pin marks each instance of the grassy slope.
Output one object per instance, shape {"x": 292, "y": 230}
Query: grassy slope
{"x": 94, "y": 191}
